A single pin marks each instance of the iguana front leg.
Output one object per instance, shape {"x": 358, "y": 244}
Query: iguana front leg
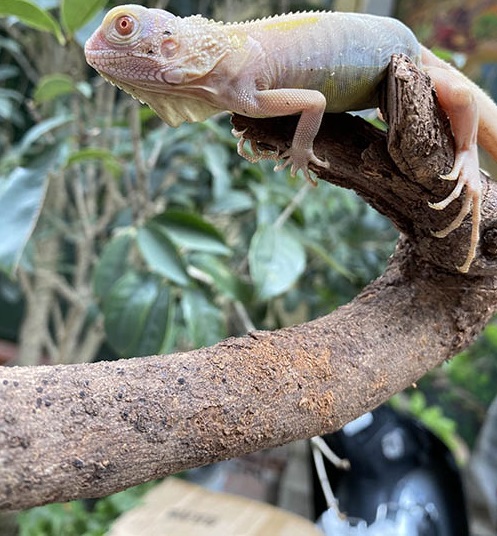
{"x": 310, "y": 104}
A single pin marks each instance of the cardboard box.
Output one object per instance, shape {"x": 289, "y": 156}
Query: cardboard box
{"x": 178, "y": 508}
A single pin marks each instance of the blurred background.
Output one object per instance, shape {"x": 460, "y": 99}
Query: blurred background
{"x": 123, "y": 237}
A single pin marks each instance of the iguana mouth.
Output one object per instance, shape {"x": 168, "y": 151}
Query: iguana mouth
{"x": 96, "y": 58}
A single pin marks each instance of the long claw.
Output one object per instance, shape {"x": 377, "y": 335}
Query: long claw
{"x": 475, "y": 236}
{"x": 257, "y": 154}
{"x": 456, "y": 192}
{"x": 454, "y": 175}
{"x": 294, "y": 170}
{"x": 296, "y": 158}
{"x": 466, "y": 172}
{"x": 299, "y": 159}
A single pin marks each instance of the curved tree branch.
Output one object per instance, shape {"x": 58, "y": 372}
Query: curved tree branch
{"x": 88, "y": 430}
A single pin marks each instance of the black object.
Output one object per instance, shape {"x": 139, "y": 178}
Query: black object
{"x": 395, "y": 461}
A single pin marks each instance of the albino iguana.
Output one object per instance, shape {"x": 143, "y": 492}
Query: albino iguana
{"x": 187, "y": 69}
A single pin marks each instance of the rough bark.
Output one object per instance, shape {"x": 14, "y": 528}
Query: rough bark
{"x": 88, "y": 430}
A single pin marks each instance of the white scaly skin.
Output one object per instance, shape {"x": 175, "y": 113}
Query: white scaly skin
{"x": 187, "y": 69}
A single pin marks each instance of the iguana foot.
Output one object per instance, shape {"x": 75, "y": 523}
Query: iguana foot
{"x": 299, "y": 159}
{"x": 466, "y": 173}
{"x": 257, "y": 153}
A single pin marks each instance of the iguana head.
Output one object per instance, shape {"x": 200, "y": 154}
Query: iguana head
{"x": 158, "y": 58}
{"x": 135, "y": 46}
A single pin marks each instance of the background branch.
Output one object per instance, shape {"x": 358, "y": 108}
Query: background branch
{"x": 88, "y": 430}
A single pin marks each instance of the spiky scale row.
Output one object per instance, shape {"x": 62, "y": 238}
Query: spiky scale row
{"x": 256, "y": 68}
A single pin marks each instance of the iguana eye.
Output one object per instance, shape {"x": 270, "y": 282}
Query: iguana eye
{"x": 124, "y": 25}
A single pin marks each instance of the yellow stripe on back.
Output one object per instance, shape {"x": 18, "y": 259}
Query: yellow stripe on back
{"x": 285, "y": 24}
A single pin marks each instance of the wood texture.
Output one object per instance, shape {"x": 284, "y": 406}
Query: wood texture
{"x": 89, "y": 430}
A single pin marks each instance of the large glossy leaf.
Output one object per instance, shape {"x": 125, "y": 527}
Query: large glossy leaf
{"x": 226, "y": 200}
{"x": 31, "y": 15}
{"x": 205, "y": 324}
{"x": 161, "y": 254}
{"x": 112, "y": 264}
{"x": 157, "y": 335}
{"x": 76, "y": 13}
{"x": 276, "y": 260}
{"x": 191, "y": 232}
{"x": 136, "y": 313}
{"x": 52, "y": 86}
{"x": 223, "y": 279}
{"x": 21, "y": 199}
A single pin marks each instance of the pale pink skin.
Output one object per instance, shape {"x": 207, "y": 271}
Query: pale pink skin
{"x": 187, "y": 69}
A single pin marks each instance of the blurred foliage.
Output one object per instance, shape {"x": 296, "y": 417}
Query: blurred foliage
{"x": 452, "y": 400}
{"x": 465, "y": 386}
{"x": 151, "y": 237}
{"x": 80, "y": 518}
{"x": 120, "y": 236}
{"x": 431, "y": 416}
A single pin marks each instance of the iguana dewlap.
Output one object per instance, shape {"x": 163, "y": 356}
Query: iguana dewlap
{"x": 187, "y": 69}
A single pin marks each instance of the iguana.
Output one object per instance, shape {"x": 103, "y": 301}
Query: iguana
{"x": 309, "y": 63}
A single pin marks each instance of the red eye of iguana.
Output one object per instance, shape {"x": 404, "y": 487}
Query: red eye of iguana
{"x": 124, "y": 25}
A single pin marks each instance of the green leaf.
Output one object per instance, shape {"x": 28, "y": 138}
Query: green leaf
{"x": 276, "y": 261}
{"x": 216, "y": 159}
{"x": 223, "y": 279}
{"x": 136, "y": 312}
{"x": 108, "y": 159}
{"x": 112, "y": 264}
{"x": 8, "y": 71}
{"x": 9, "y": 44}
{"x": 161, "y": 255}
{"x": 191, "y": 232}
{"x": 34, "y": 134}
{"x": 417, "y": 403}
{"x": 233, "y": 202}
{"x": 204, "y": 322}
{"x": 52, "y": 86}
{"x": 75, "y": 14}
{"x": 21, "y": 199}
{"x": 316, "y": 248}
{"x": 158, "y": 326}
{"x": 31, "y": 15}
{"x": 9, "y": 107}
{"x": 490, "y": 334}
